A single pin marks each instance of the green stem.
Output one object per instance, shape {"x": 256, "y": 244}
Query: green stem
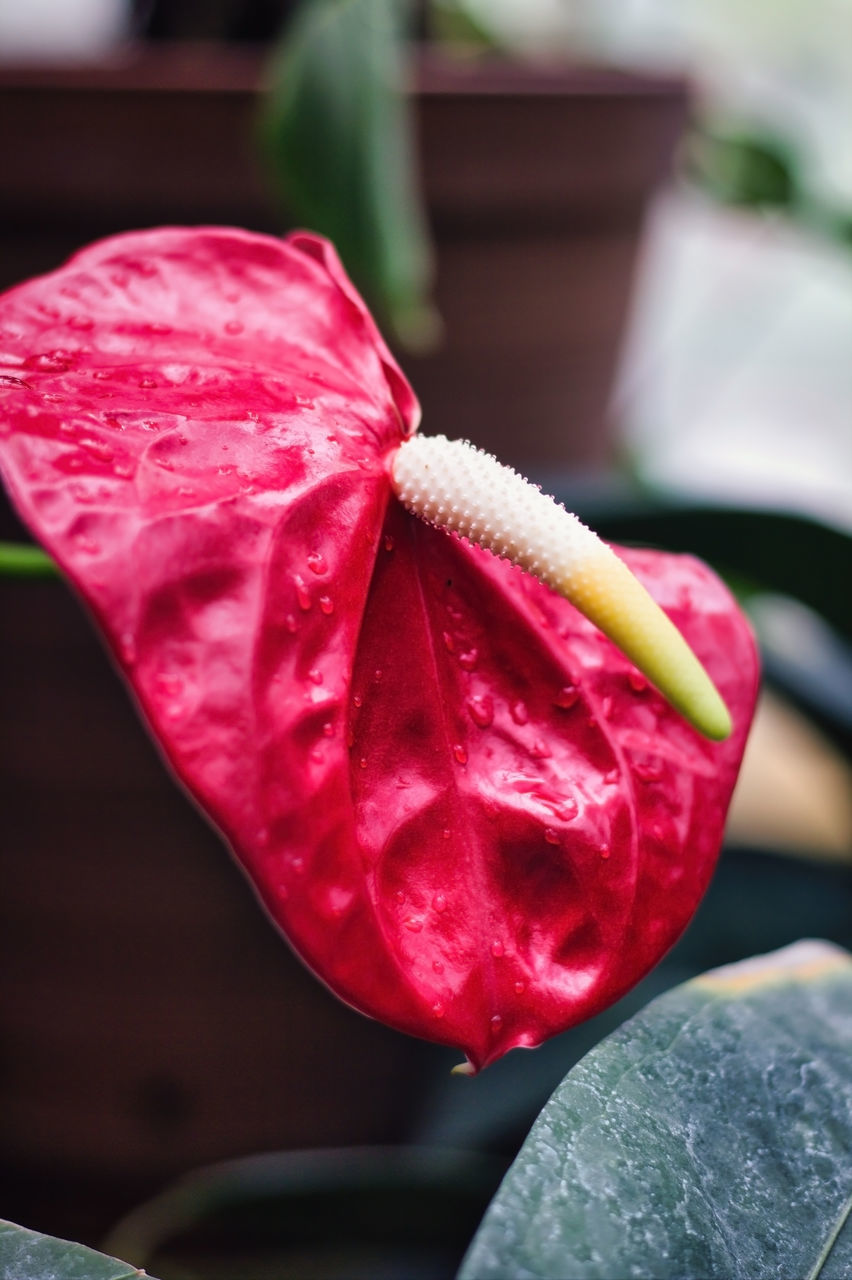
{"x": 17, "y": 560}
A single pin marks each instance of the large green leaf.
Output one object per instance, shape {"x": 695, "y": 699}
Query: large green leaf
{"x": 711, "y": 1136}
{"x": 338, "y": 137}
{"x": 28, "y": 1255}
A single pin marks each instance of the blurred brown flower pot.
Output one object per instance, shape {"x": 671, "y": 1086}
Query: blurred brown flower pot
{"x": 536, "y": 181}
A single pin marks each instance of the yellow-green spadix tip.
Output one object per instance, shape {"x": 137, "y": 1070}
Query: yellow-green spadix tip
{"x": 451, "y": 484}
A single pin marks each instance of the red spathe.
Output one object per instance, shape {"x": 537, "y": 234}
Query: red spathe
{"x": 464, "y": 808}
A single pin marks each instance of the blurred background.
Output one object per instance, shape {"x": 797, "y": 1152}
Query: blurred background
{"x": 611, "y": 241}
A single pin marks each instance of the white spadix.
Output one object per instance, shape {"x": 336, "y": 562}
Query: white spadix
{"x": 451, "y": 484}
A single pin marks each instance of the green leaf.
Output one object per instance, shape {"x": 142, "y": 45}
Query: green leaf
{"x": 357, "y": 1211}
{"x": 744, "y": 168}
{"x": 28, "y": 1255}
{"x": 783, "y": 551}
{"x": 452, "y": 25}
{"x": 19, "y": 560}
{"x": 337, "y": 133}
{"x": 710, "y": 1136}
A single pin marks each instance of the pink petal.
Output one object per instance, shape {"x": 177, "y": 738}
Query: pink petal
{"x": 462, "y": 805}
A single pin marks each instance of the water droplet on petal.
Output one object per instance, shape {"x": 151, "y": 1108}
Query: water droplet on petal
{"x": 388, "y": 542}
{"x": 358, "y": 700}
{"x": 147, "y": 383}
{"x": 604, "y": 850}
{"x": 169, "y": 688}
{"x": 413, "y": 925}
{"x": 648, "y": 769}
{"x": 638, "y": 682}
{"x": 400, "y": 896}
{"x": 168, "y": 684}
{"x": 438, "y": 1009}
{"x": 326, "y": 604}
{"x": 303, "y": 597}
{"x": 497, "y": 948}
{"x": 291, "y": 624}
{"x": 328, "y": 729}
{"x": 363, "y": 762}
{"x": 377, "y": 674}
{"x": 519, "y": 711}
{"x": 567, "y": 696}
{"x": 539, "y": 750}
{"x": 551, "y": 836}
{"x": 316, "y": 562}
{"x": 446, "y": 833}
{"x": 520, "y": 988}
{"x": 481, "y": 710}
{"x": 496, "y": 1022}
{"x": 316, "y": 755}
{"x": 460, "y": 753}
{"x": 449, "y": 642}
{"x": 439, "y": 902}
{"x": 49, "y": 362}
{"x": 315, "y": 676}
{"x": 437, "y": 966}
{"x": 469, "y": 659}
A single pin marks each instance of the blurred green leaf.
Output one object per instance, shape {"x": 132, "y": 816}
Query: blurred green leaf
{"x": 781, "y": 551}
{"x": 458, "y": 30}
{"x": 337, "y": 134}
{"x": 28, "y": 1255}
{"x": 744, "y": 168}
{"x": 710, "y": 1136}
{"x": 387, "y": 1213}
{"x": 19, "y": 560}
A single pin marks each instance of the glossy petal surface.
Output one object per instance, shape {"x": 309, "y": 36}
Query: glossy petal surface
{"x": 462, "y": 805}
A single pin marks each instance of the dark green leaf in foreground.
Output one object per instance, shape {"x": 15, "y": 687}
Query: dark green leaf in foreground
{"x": 711, "y": 1136}
{"x": 28, "y": 1255}
{"x": 338, "y": 137}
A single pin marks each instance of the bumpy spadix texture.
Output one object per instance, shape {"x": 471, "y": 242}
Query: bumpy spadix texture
{"x": 457, "y": 487}
{"x": 461, "y": 803}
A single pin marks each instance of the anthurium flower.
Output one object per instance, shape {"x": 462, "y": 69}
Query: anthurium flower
{"x": 466, "y": 809}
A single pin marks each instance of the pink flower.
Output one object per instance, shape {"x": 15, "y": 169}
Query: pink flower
{"x": 461, "y": 804}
